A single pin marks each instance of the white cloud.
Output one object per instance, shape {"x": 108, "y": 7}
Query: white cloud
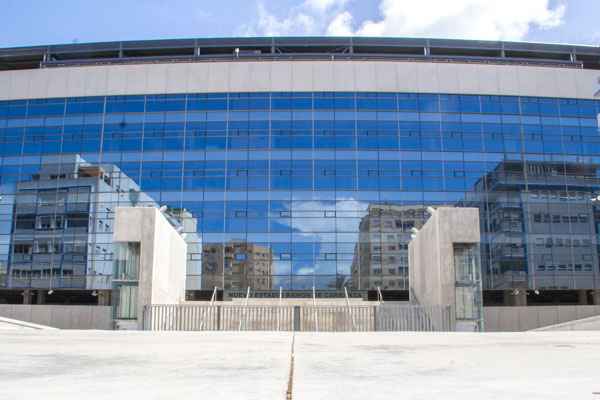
{"x": 267, "y": 24}
{"x": 349, "y": 211}
{"x": 460, "y": 19}
{"x": 341, "y": 25}
{"x": 595, "y": 36}
{"x": 324, "y": 5}
{"x": 311, "y": 17}
{"x": 305, "y": 271}
{"x": 463, "y": 19}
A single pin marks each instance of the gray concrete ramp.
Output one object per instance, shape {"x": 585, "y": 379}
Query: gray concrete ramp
{"x": 9, "y": 324}
{"x": 584, "y": 324}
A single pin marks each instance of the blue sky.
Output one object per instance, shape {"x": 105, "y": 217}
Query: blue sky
{"x": 38, "y": 22}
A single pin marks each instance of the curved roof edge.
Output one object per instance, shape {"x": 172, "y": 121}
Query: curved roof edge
{"x": 301, "y": 48}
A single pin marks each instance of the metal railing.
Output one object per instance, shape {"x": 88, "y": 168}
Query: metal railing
{"x": 413, "y": 318}
{"x": 388, "y": 317}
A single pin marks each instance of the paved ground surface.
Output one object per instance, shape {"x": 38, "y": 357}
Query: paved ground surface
{"x": 448, "y": 366}
{"x": 256, "y": 365}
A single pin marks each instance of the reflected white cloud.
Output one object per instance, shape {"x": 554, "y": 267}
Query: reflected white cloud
{"x": 345, "y": 218}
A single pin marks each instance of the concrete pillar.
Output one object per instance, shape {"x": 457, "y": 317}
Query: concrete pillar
{"x": 27, "y": 296}
{"x": 41, "y": 297}
{"x": 515, "y": 298}
{"x": 103, "y": 297}
{"x": 596, "y": 297}
{"x": 431, "y": 255}
{"x": 582, "y": 297}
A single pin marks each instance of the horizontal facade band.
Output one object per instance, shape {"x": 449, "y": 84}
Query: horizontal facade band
{"x": 298, "y": 76}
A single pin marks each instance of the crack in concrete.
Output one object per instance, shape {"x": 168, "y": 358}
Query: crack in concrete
{"x": 288, "y": 394}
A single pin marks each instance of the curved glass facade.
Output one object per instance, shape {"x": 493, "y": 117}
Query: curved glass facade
{"x": 297, "y": 190}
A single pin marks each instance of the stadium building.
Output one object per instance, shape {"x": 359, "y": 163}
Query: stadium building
{"x": 300, "y": 163}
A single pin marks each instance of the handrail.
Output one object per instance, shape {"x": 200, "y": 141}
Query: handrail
{"x": 379, "y": 296}
{"x": 279, "y": 308}
{"x": 349, "y": 310}
{"x": 212, "y": 300}
{"x": 315, "y": 310}
{"x": 245, "y": 308}
{"x": 415, "y": 299}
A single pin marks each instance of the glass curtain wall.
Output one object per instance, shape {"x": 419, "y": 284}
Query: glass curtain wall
{"x": 297, "y": 190}
{"x": 467, "y": 288}
{"x": 126, "y": 280}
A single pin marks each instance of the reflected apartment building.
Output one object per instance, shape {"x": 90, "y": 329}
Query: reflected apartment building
{"x": 237, "y": 265}
{"x": 539, "y": 227}
{"x": 63, "y": 224}
{"x": 180, "y": 217}
{"x": 381, "y": 253}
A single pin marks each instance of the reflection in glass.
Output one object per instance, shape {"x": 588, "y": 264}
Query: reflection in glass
{"x": 538, "y": 225}
{"x": 126, "y": 280}
{"x": 63, "y": 222}
{"x": 327, "y": 185}
{"x": 237, "y": 265}
{"x": 125, "y": 300}
{"x": 381, "y": 253}
{"x": 127, "y": 262}
{"x": 467, "y": 288}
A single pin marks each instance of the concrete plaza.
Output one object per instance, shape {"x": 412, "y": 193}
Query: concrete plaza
{"x": 256, "y": 365}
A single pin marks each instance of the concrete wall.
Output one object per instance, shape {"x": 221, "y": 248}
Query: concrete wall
{"x": 302, "y": 76}
{"x": 59, "y": 316}
{"x": 168, "y": 280}
{"x": 431, "y": 254}
{"x": 162, "y": 255}
{"x": 515, "y": 319}
{"x": 427, "y": 270}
